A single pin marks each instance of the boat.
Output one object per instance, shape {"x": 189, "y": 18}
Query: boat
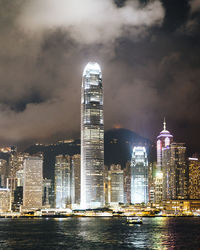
{"x": 134, "y": 220}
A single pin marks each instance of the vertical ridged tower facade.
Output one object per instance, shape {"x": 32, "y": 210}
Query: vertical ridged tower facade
{"x": 92, "y": 138}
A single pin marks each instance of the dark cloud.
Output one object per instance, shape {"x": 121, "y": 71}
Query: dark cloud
{"x": 195, "y": 6}
{"x": 148, "y": 51}
{"x": 176, "y": 14}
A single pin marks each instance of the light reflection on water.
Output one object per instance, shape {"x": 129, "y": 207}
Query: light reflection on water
{"x": 99, "y": 233}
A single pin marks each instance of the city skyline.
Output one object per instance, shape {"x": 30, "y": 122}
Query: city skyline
{"x": 149, "y": 68}
{"x": 99, "y": 124}
{"x": 92, "y": 178}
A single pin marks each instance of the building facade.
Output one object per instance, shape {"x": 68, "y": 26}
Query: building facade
{"x": 47, "y": 193}
{"x": 33, "y": 182}
{"x": 139, "y": 175}
{"x": 3, "y": 173}
{"x": 194, "y": 178}
{"x": 5, "y": 200}
{"x": 115, "y": 183}
{"x": 16, "y": 162}
{"x": 12, "y": 185}
{"x": 158, "y": 187}
{"x": 92, "y": 138}
{"x": 76, "y": 179}
{"x": 152, "y": 175}
{"x": 175, "y": 172}
{"x": 127, "y": 183}
{"x": 62, "y": 181}
{"x": 18, "y": 199}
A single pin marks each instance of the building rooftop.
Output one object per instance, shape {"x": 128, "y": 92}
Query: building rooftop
{"x": 92, "y": 67}
{"x": 164, "y": 132}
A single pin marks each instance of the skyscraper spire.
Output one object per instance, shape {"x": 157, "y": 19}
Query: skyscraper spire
{"x": 164, "y": 124}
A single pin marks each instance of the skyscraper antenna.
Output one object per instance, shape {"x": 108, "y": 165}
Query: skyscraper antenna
{"x": 164, "y": 124}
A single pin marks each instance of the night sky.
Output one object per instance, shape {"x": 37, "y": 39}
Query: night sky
{"x": 149, "y": 52}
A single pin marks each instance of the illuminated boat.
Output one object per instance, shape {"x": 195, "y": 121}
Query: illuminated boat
{"x": 134, "y": 220}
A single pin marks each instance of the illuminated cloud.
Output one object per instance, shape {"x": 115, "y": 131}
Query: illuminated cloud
{"x": 90, "y": 21}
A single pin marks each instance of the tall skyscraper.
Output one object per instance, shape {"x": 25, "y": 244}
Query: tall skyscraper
{"x": 175, "y": 179}
{"x": 194, "y": 178}
{"x": 62, "y": 181}
{"x": 139, "y": 175}
{"x": 163, "y": 140}
{"x": 92, "y": 138}
{"x": 33, "y": 182}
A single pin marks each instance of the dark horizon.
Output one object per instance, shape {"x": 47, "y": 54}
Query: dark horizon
{"x": 21, "y": 147}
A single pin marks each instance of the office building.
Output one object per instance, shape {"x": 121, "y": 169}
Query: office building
{"x": 62, "y": 181}
{"x": 194, "y": 178}
{"x": 11, "y": 185}
{"x": 92, "y": 138}
{"x": 47, "y": 193}
{"x": 139, "y": 175}
{"x": 151, "y": 181}
{"x": 16, "y": 166}
{"x": 158, "y": 187}
{"x": 127, "y": 183}
{"x": 20, "y": 177}
{"x": 115, "y": 185}
{"x": 3, "y": 173}
{"x": 175, "y": 172}
{"x": 76, "y": 179}
{"x": 33, "y": 182}
{"x": 5, "y": 204}
{"x": 18, "y": 199}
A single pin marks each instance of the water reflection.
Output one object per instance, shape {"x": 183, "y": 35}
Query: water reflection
{"x": 99, "y": 233}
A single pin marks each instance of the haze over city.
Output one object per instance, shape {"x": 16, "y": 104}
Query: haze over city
{"x": 148, "y": 52}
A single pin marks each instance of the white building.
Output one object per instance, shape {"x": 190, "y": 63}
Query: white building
{"x": 139, "y": 175}
{"x": 92, "y": 138}
{"x": 33, "y": 182}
